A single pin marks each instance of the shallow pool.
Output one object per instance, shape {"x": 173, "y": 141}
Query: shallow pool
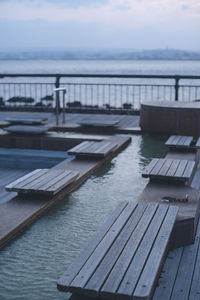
{"x": 31, "y": 265}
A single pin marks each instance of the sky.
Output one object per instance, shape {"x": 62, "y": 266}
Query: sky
{"x": 109, "y": 24}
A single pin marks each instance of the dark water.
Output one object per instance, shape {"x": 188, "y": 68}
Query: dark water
{"x": 31, "y": 265}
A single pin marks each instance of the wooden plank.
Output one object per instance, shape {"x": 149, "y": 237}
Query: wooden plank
{"x": 173, "y": 168}
{"x": 80, "y": 260}
{"x": 185, "y": 272}
{"x": 78, "y": 147}
{"x": 55, "y": 179}
{"x": 42, "y": 180}
{"x": 181, "y": 168}
{"x": 189, "y": 169}
{"x": 134, "y": 271}
{"x": 143, "y": 213}
{"x": 35, "y": 178}
{"x": 64, "y": 182}
{"x": 197, "y": 145}
{"x": 146, "y": 283}
{"x": 149, "y": 168}
{"x": 195, "y": 286}
{"x": 176, "y": 139}
{"x": 170, "y": 140}
{"x": 158, "y": 167}
{"x": 168, "y": 275}
{"x": 10, "y": 186}
{"x": 165, "y": 168}
{"x": 188, "y": 141}
{"x": 88, "y": 269}
{"x": 119, "y": 269}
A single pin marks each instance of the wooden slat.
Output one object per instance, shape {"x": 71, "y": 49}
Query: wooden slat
{"x": 176, "y": 139}
{"x": 81, "y": 259}
{"x": 188, "y": 141}
{"x": 142, "y": 215}
{"x": 22, "y": 180}
{"x": 185, "y": 272}
{"x": 79, "y": 147}
{"x": 134, "y": 271}
{"x": 168, "y": 275}
{"x": 197, "y": 145}
{"x": 189, "y": 169}
{"x": 150, "y": 166}
{"x": 173, "y": 168}
{"x": 158, "y": 167}
{"x": 88, "y": 269}
{"x": 170, "y": 140}
{"x": 165, "y": 168}
{"x": 146, "y": 283}
{"x": 62, "y": 183}
{"x": 181, "y": 168}
{"x": 37, "y": 179}
{"x": 55, "y": 179}
{"x": 119, "y": 269}
{"x": 43, "y": 180}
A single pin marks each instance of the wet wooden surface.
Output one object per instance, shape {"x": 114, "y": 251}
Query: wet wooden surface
{"x": 133, "y": 246}
{"x": 20, "y": 211}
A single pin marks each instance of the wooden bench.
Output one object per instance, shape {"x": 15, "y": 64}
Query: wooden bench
{"x": 93, "y": 149}
{"x": 179, "y": 141}
{"x": 43, "y": 181}
{"x": 25, "y": 121}
{"x": 124, "y": 258}
{"x": 98, "y": 123}
{"x": 26, "y": 129}
{"x": 170, "y": 169}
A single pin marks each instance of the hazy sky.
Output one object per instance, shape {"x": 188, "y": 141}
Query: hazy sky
{"x": 137, "y": 24}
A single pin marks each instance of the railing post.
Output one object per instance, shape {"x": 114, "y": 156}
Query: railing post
{"x": 57, "y": 85}
{"x": 177, "y": 78}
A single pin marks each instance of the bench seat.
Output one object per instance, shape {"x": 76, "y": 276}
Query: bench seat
{"x": 93, "y": 149}
{"x": 170, "y": 169}
{"x": 26, "y": 129}
{"x": 99, "y": 123}
{"x": 179, "y": 141}
{"x": 25, "y": 121}
{"x": 124, "y": 258}
{"x": 43, "y": 181}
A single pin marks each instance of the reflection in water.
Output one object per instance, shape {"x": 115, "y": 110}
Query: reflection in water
{"x": 31, "y": 265}
{"x": 152, "y": 146}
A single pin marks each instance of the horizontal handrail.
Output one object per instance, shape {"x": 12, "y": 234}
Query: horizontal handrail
{"x": 2, "y": 75}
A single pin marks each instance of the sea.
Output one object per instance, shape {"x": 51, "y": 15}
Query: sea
{"x": 149, "y": 67}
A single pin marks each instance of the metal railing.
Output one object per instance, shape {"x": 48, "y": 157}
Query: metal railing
{"x": 99, "y": 92}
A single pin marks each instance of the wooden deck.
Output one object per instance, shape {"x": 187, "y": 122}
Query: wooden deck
{"x": 125, "y": 123}
{"x": 179, "y": 278}
{"x": 117, "y": 261}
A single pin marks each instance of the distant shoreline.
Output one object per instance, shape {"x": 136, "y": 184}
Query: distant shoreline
{"x": 50, "y": 54}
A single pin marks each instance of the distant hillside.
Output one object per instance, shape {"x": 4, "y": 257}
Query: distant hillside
{"x": 158, "y": 54}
